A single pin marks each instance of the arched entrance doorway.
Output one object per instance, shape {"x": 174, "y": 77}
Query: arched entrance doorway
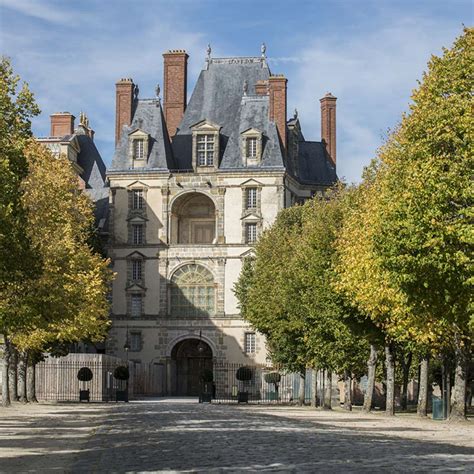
{"x": 192, "y": 357}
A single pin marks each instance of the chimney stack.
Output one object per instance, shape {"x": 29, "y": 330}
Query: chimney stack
{"x": 62, "y": 123}
{"x": 328, "y": 125}
{"x": 124, "y": 91}
{"x": 277, "y": 92}
{"x": 175, "y": 75}
{"x": 261, "y": 87}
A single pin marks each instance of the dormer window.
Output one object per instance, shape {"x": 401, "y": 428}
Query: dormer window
{"x": 251, "y": 147}
{"x": 139, "y": 149}
{"x": 205, "y": 150}
{"x": 205, "y": 145}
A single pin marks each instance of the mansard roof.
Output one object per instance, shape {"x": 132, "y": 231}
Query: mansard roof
{"x": 148, "y": 117}
{"x": 224, "y": 95}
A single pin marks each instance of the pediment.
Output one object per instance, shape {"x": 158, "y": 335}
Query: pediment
{"x": 137, "y": 185}
{"x": 135, "y": 287}
{"x": 138, "y": 133}
{"x": 136, "y": 254}
{"x": 251, "y": 132}
{"x": 252, "y": 182}
{"x": 251, "y": 216}
{"x": 248, "y": 254}
{"x": 137, "y": 219}
{"x": 204, "y": 126}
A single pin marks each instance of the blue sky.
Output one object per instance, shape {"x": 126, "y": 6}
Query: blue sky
{"x": 369, "y": 54}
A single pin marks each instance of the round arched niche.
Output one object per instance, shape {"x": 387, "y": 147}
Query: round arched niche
{"x": 193, "y": 219}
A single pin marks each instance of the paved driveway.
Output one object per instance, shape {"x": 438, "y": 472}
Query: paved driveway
{"x": 175, "y": 436}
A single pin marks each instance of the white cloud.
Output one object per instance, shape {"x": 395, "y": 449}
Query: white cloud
{"x": 372, "y": 74}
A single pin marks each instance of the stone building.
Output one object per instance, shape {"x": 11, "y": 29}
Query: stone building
{"x": 192, "y": 185}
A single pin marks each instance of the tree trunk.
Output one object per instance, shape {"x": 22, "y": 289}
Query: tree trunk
{"x": 347, "y": 391}
{"x": 390, "y": 367}
{"x": 406, "y": 365}
{"x": 5, "y": 372}
{"x": 12, "y": 376}
{"x": 22, "y": 365}
{"x": 422, "y": 408}
{"x": 31, "y": 381}
{"x": 327, "y": 404}
{"x": 458, "y": 396}
{"x": 371, "y": 366}
{"x": 314, "y": 388}
{"x": 301, "y": 389}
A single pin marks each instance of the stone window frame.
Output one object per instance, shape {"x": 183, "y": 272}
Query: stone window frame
{"x": 129, "y": 294}
{"x": 205, "y": 127}
{"x": 251, "y": 210}
{"x": 139, "y": 335}
{"x": 247, "y": 224}
{"x": 137, "y": 212}
{"x": 134, "y": 257}
{"x": 132, "y": 225}
{"x": 245, "y": 136}
{"x": 171, "y": 285}
{"x": 138, "y": 134}
{"x": 253, "y": 343}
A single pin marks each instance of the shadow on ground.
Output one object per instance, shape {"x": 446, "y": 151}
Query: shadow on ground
{"x": 212, "y": 438}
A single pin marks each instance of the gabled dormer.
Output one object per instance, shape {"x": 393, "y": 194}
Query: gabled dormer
{"x": 251, "y": 147}
{"x": 206, "y": 138}
{"x": 138, "y": 141}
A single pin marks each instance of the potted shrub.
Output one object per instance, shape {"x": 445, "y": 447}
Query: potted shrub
{"x": 84, "y": 375}
{"x": 207, "y": 379}
{"x": 243, "y": 375}
{"x": 122, "y": 374}
{"x": 274, "y": 379}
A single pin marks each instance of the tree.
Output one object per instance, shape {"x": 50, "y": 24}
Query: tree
{"x": 69, "y": 298}
{"x": 18, "y": 262}
{"x": 426, "y": 240}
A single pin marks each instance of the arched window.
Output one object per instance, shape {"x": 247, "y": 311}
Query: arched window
{"x": 192, "y": 292}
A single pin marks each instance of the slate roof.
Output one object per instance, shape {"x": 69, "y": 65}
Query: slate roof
{"x": 148, "y": 117}
{"x": 219, "y": 97}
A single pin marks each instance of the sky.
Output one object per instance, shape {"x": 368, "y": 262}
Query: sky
{"x": 368, "y": 53}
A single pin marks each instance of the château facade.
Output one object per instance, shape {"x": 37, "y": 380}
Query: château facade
{"x": 192, "y": 186}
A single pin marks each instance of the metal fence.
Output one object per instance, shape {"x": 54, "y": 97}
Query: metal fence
{"x": 56, "y": 378}
{"x": 227, "y": 388}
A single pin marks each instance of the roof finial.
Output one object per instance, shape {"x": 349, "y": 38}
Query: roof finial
{"x": 157, "y": 94}
{"x": 208, "y": 51}
{"x": 83, "y": 120}
{"x": 295, "y": 114}
{"x": 136, "y": 91}
{"x": 263, "y": 49}
{"x": 246, "y": 87}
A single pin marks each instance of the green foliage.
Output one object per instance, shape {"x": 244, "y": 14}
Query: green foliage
{"x": 207, "y": 376}
{"x": 244, "y": 374}
{"x": 85, "y": 374}
{"x": 273, "y": 377}
{"x": 121, "y": 373}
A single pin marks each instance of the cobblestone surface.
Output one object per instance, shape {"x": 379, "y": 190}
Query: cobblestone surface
{"x": 174, "y": 436}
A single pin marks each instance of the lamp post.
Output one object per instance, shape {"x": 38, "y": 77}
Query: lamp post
{"x": 126, "y": 348}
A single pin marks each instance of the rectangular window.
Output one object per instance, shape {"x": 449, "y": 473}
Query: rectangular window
{"x": 251, "y": 198}
{"x": 135, "y": 341}
{"x": 250, "y": 343}
{"x": 136, "y": 305}
{"x": 252, "y": 147}
{"x": 205, "y": 150}
{"x": 137, "y": 230}
{"x": 138, "y": 201}
{"x": 251, "y": 233}
{"x": 136, "y": 270}
{"x": 139, "y": 149}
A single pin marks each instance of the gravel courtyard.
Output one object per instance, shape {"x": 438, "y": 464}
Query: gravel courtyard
{"x": 184, "y": 436}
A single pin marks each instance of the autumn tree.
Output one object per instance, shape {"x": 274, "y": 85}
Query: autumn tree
{"x": 68, "y": 300}
{"x": 18, "y": 262}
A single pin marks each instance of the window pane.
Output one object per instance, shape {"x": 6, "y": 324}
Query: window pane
{"x": 136, "y": 306}
{"x": 138, "y": 199}
{"x": 138, "y": 149}
{"x": 251, "y": 233}
{"x": 138, "y": 234}
{"x": 251, "y": 198}
{"x": 135, "y": 341}
{"x": 136, "y": 270}
{"x": 250, "y": 343}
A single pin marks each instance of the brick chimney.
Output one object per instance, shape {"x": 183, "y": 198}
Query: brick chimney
{"x": 124, "y": 91}
{"x": 261, "y": 87}
{"x": 175, "y": 76}
{"x": 62, "y": 123}
{"x": 328, "y": 124}
{"x": 277, "y": 92}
